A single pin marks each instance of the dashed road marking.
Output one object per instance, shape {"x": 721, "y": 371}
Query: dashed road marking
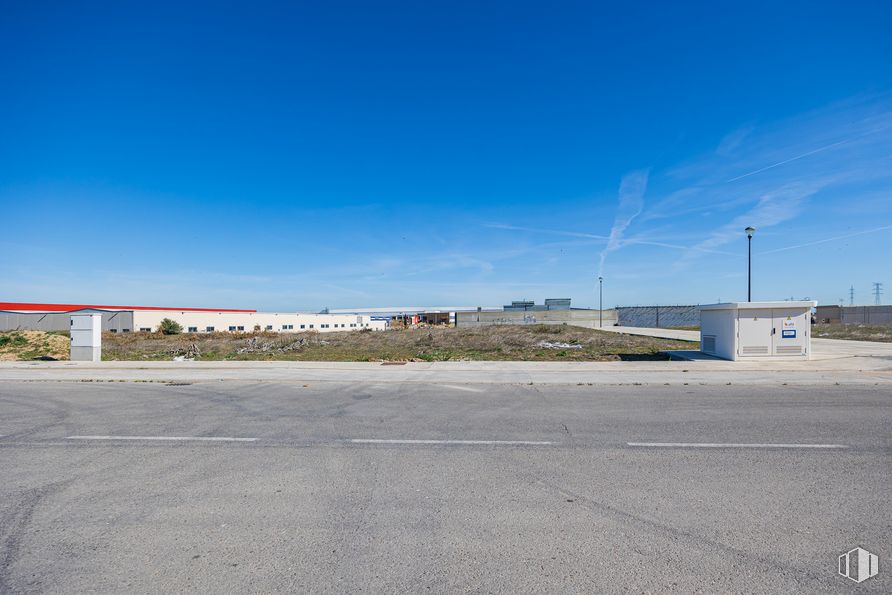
{"x": 460, "y": 442}
{"x": 463, "y": 388}
{"x": 166, "y": 438}
{"x": 730, "y": 445}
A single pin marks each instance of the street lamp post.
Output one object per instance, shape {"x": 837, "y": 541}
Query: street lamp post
{"x": 600, "y": 302}
{"x": 749, "y": 262}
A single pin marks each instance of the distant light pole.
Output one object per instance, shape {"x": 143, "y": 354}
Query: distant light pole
{"x": 749, "y": 262}
{"x": 600, "y": 302}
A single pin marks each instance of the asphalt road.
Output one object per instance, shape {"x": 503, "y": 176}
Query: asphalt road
{"x": 412, "y": 487}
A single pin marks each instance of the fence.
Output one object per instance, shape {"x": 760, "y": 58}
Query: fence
{"x": 658, "y": 316}
{"x": 866, "y": 315}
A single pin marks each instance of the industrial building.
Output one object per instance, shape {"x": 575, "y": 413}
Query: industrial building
{"x": 409, "y": 315}
{"x": 551, "y": 311}
{"x": 125, "y": 319}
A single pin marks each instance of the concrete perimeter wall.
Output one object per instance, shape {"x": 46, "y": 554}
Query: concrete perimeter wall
{"x": 659, "y": 316}
{"x": 583, "y": 318}
{"x": 866, "y": 315}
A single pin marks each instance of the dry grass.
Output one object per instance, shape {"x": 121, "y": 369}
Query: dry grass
{"x": 525, "y": 343}
{"x": 853, "y": 332}
{"x": 25, "y": 345}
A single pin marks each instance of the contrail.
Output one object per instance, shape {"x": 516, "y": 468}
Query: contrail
{"x": 676, "y": 246}
{"x": 631, "y": 203}
{"x": 825, "y": 240}
{"x": 574, "y": 234}
{"x": 779, "y": 163}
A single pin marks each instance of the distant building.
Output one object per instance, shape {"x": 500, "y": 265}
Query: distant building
{"x": 550, "y": 304}
{"x": 125, "y": 319}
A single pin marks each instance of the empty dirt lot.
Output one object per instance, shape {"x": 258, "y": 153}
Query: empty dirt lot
{"x": 498, "y": 343}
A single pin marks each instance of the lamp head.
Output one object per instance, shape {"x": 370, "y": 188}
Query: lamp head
{"x": 750, "y": 231}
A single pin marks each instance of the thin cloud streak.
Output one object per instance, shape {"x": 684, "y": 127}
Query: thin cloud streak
{"x": 825, "y": 240}
{"x": 790, "y": 160}
{"x": 772, "y": 209}
{"x": 631, "y": 203}
{"x": 675, "y": 246}
{"x": 575, "y": 234}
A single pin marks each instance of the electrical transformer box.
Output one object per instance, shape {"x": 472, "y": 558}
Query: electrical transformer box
{"x": 86, "y": 337}
{"x": 750, "y": 330}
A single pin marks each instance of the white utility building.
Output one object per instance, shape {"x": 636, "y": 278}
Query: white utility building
{"x": 750, "y": 330}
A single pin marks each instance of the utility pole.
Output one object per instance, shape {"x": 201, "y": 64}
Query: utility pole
{"x": 852, "y": 295}
{"x": 749, "y": 262}
{"x": 600, "y": 302}
{"x": 877, "y": 291}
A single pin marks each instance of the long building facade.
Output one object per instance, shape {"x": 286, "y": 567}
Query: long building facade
{"x": 125, "y": 319}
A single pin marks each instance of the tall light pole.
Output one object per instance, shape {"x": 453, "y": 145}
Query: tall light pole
{"x": 749, "y": 262}
{"x": 600, "y": 302}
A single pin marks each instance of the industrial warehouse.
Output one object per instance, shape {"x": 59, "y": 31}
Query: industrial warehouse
{"x": 125, "y": 319}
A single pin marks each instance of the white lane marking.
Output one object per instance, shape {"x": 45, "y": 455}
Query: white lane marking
{"x": 472, "y": 442}
{"x": 464, "y": 388}
{"x": 166, "y": 438}
{"x": 730, "y": 445}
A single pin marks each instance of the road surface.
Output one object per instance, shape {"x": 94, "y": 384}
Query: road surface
{"x": 228, "y": 486}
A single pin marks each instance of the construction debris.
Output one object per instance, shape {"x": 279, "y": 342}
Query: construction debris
{"x": 557, "y": 345}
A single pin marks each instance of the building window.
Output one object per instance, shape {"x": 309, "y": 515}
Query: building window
{"x": 193, "y": 329}
{"x": 269, "y": 327}
{"x": 241, "y": 328}
{"x": 303, "y": 326}
{"x": 232, "y": 328}
{"x": 209, "y": 329}
{"x": 145, "y": 329}
{"x": 112, "y": 330}
{"x": 311, "y": 326}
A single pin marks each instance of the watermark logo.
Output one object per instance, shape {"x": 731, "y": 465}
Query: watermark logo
{"x": 858, "y": 565}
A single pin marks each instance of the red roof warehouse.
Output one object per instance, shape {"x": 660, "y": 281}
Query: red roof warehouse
{"x": 30, "y": 307}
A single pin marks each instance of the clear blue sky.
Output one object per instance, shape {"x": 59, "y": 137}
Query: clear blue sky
{"x": 458, "y": 153}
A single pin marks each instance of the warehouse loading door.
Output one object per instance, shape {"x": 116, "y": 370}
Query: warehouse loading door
{"x": 790, "y": 328}
{"x": 754, "y": 333}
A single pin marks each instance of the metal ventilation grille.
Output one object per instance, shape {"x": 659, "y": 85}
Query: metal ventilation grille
{"x": 754, "y": 350}
{"x": 788, "y": 350}
{"x": 708, "y": 344}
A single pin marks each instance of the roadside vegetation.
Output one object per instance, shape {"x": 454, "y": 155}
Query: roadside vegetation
{"x": 853, "y": 332}
{"x": 524, "y": 343}
{"x": 170, "y": 327}
{"x": 28, "y": 345}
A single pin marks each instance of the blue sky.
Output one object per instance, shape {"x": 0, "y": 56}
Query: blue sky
{"x": 300, "y": 155}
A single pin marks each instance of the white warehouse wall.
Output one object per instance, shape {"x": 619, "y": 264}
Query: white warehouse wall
{"x": 273, "y": 321}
